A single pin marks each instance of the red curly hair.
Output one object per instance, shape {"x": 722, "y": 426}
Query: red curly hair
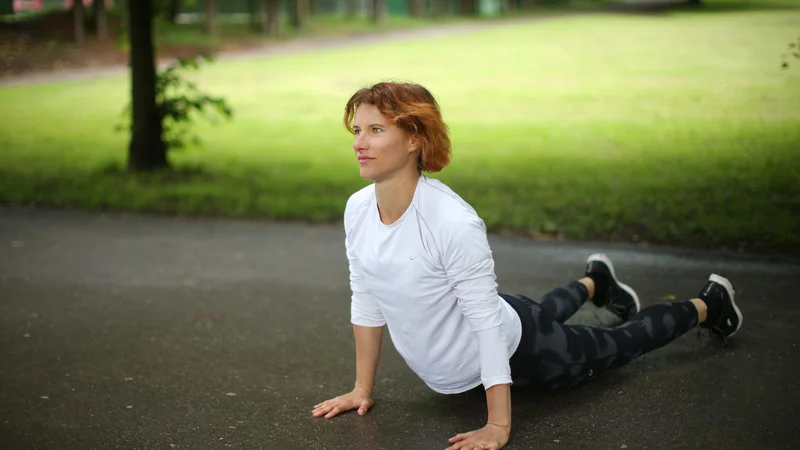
{"x": 412, "y": 108}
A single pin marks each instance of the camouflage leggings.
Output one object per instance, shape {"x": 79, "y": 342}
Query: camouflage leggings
{"x": 552, "y": 355}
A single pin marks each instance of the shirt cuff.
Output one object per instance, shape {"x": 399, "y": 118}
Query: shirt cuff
{"x": 495, "y": 366}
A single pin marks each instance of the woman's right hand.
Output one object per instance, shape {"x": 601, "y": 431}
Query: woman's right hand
{"x": 357, "y": 398}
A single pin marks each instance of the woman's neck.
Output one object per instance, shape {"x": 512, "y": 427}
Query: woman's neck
{"x": 395, "y": 194}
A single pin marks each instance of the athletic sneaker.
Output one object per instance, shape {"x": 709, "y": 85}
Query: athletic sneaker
{"x": 618, "y": 297}
{"x": 724, "y": 317}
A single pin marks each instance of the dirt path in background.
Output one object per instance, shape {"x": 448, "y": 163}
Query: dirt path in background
{"x": 111, "y": 64}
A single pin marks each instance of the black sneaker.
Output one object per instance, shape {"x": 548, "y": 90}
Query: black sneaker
{"x": 618, "y": 297}
{"x": 724, "y": 317}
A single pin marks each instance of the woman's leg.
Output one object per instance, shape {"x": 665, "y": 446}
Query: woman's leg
{"x": 552, "y": 355}
{"x": 564, "y": 301}
{"x": 599, "y": 284}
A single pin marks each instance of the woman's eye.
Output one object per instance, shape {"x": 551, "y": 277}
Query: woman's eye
{"x": 376, "y": 130}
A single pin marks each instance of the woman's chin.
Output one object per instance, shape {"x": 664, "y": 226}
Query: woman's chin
{"x": 367, "y": 174}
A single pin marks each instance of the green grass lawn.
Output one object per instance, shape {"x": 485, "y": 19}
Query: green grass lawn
{"x": 679, "y": 129}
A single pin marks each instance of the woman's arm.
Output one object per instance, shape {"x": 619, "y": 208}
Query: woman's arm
{"x": 368, "y": 352}
{"x": 467, "y": 258}
{"x": 498, "y": 401}
{"x": 495, "y": 434}
{"x": 368, "y": 321}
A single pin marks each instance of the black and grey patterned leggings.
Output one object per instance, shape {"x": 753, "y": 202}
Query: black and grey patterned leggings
{"x": 552, "y": 355}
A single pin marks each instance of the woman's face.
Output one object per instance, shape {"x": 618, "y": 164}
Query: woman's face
{"x": 382, "y": 148}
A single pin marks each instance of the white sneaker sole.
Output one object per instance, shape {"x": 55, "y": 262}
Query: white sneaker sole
{"x": 729, "y": 287}
{"x": 604, "y": 259}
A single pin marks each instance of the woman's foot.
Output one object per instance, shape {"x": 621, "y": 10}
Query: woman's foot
{"x": 618, "y": 297}
{"x": 723, "y": 316}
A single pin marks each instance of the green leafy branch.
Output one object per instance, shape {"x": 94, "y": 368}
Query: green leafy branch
{"x": 794, "y": 50}
{"x": 179, "y": 101}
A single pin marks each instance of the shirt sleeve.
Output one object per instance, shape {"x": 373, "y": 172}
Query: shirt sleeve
{"x": 468, "y": 260}
{"x": 364, "y": 310}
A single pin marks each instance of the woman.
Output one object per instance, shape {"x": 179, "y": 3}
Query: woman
{"x": 420, "y": 263}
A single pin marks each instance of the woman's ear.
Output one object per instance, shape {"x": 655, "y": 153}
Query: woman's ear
{"x": 413, "y": 143}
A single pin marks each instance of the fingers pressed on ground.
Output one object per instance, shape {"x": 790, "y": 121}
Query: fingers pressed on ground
{"x": 322, "y": 410}
{"x": 456, "y": 446}
{"x": 459, "y": 437}
{"x": 325, "y": 403}
{"x": 469, "y": 446}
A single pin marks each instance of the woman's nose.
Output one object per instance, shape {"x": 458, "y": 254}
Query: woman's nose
{"x": 359, "y": 143}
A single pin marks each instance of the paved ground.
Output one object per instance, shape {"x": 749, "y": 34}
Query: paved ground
{"x": 131, "y": 332}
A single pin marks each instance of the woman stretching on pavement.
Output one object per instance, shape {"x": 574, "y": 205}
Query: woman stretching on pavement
{"x": 420, "y": 263}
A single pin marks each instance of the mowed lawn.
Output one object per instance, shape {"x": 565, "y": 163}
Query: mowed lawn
{"x": 677, "y": 129}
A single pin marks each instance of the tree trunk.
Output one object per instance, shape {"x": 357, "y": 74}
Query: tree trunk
{"x": 416, "y": 7}
{"x": 273, "y": 9}
{"x": 439, "y": 8}
{"x": 468, "y": 7}
{"x": 147, "y": 149}
{"x": 378, "y": 11}
{"x": 173, "y": 10}
{"x": 351, "y": 9}
{"x": 257, "y": 22}
{"x": 211, "y": 17}
{"x": 78, "y": 14}
{"x": 299, "y": 14}
{"x": 101, "y": 19}
{"x": 6, "y": 7}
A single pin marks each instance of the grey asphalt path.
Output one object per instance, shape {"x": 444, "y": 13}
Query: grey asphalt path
{"x": 141, "y": 332}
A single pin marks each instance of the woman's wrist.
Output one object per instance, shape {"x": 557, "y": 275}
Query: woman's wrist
{"x": 366, "y": 389}
{"x": 503, "y": 426}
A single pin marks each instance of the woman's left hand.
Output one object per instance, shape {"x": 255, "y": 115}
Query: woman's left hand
{"x": 490, "y": 437}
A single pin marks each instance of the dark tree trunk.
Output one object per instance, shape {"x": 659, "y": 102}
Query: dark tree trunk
{"x": 299, "y": 14}
{"x": 78, "y": 14}
{"x": 147, "y": 149}
{"x": 101, "y": 19}
{"x": 273, "y": 8}
{"x": 351, "y": 8}
{"x": 6, "y": 7}
{"x": 211, "y": 17}
{"x": 378, "y": 11}
{"x": 416, "y": 7}
{"x": 257, "y": 22}
{"x": 439, "y": 8}
{"x": 468, "y": 7}
{"x": 173, "y": 10}
{"x": 266, "y": 16}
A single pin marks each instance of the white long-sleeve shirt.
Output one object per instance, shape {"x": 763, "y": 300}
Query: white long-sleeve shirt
{"x": 429, "y": 277}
